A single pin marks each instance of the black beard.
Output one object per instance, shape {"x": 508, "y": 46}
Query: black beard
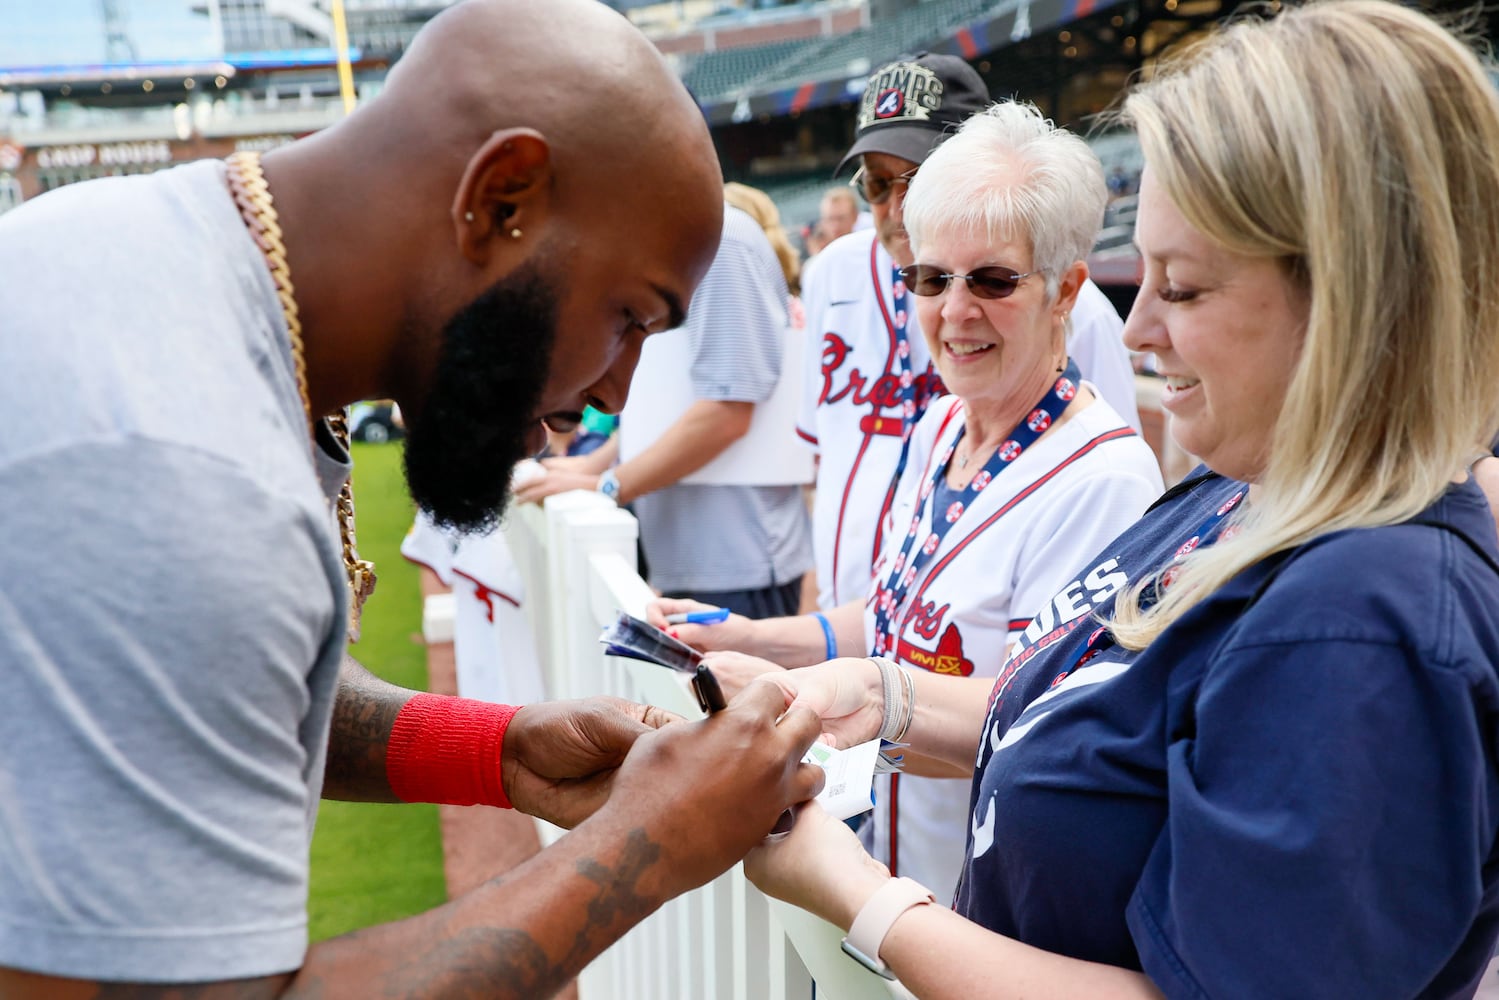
{"x": 480, "y": 411}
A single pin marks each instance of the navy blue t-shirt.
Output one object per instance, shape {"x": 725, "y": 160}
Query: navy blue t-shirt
{"x": 1291, "y": 793}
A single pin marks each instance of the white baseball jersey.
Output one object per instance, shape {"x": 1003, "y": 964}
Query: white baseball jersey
{"x": 1010, "y": 550}
{"x": 493, "y": 650}
{"x": 851, "y": 408}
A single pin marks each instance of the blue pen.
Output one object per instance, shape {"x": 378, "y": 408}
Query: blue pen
{"x": 714, "y": 617}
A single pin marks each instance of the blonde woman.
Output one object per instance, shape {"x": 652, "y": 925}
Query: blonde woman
{"x": 1265, "y": 765}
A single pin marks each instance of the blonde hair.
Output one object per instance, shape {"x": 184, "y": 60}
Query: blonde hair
{"x": 758, "y": 206}
{"x": 1355, "y": 141}
{"x": 1009, "y": 174}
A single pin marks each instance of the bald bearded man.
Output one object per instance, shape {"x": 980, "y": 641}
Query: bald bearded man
{"x": 172, "y": 664}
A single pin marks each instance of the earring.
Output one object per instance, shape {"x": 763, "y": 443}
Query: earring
{"x": 515, "y": 234}
{"x": 468, "y": 216}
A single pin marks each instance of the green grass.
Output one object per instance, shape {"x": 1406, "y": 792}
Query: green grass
{"x": 374, "y": 863}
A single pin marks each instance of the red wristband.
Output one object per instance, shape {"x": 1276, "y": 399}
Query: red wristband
{"x": 448, "y": 750}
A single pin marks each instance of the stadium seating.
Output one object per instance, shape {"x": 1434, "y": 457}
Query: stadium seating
{"x": 715, "y": 76}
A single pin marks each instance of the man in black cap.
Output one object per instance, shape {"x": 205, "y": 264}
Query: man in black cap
{"x": 873, "y": 377}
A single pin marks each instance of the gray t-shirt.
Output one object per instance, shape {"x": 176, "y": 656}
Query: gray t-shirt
{"x": 171, "y": 591}
{"x": 716, "y": 538}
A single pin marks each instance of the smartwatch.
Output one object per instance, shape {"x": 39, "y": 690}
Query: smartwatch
{"x": 877, "y": 917}
{"x": 609, "y": 485}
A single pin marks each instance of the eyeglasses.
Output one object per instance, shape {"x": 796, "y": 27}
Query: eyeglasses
{"x": 877, "y": 190}
{"x": 992, "y": 282}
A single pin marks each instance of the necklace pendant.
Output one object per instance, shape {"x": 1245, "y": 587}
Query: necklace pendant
{"x": 963, "y": 462}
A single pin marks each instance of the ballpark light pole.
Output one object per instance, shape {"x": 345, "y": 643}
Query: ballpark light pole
{"x": 341, "y": 47}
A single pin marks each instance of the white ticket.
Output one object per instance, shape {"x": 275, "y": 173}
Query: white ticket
{"x": 850, "y": 777}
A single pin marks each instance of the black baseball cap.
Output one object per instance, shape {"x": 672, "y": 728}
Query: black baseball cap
{"x": 911, "y": 105}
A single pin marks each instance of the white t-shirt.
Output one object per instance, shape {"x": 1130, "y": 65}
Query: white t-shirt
{"x": 1015, "y": 545}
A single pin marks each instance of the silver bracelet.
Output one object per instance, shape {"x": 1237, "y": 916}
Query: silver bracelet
{"x": 894, "y": 692}
{"x": 908, "y": 683}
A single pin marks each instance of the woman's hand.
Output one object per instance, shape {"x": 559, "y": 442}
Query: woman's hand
{"x": 847, "y": 694}
{"x": 819, "y": 866}
{"x": 734, "y": 671}
{"x": 736, "y": 632}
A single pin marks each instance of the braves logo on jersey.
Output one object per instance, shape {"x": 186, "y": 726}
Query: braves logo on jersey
{"x": 947, "y": 658}
{"x": 884, "y": 392}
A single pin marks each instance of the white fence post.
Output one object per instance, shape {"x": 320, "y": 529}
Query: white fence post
{"x": 725, "y": 940}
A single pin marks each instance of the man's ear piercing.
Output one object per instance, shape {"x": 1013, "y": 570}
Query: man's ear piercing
{"x": 515, "y": 234}
{"x": 468, "y": 216}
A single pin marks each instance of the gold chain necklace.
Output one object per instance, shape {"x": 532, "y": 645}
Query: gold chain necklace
{"x": 252, "y": 196}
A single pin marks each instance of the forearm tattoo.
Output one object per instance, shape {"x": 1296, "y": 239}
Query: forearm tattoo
{"x": 505, "y": 963}
{"x": 363, "y": 714}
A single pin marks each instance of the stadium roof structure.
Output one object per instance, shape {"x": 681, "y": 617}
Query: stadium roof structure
{"x": 828, "y": 71}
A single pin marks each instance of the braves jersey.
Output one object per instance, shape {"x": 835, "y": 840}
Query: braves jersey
{"x": 852, "y": 403}
{"x": 493, "y": 651}
{"x": 1292, "y": 792}
{"x": 1006, "y": 552}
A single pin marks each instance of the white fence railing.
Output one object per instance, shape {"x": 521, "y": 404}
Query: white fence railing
{"x": 725, "y": 941}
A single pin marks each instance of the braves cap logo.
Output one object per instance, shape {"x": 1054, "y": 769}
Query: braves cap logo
{"x": 903, "y": 91}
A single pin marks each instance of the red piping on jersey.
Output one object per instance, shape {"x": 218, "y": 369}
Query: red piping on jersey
{"x": 853, "y": 471}
{"x": 894, "y": 826}
{"x": 941, "y": 564}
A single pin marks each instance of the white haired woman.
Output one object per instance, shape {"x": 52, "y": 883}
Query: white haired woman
{"x": 1270, "y": 766}
{"x": 1009, "y": 482}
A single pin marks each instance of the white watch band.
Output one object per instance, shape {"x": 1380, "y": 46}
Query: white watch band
{"x": 876, "y": 918}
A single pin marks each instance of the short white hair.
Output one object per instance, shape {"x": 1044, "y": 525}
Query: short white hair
{"x": 1011, "y": 175}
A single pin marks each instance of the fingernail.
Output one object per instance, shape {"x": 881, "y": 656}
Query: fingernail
{"x": 673, "y": 633}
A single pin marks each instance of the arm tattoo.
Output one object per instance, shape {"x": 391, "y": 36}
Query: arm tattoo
{"x": 619, "y": 900}
{"x": 363, "y": 713}
{"x": 509, "y": 964}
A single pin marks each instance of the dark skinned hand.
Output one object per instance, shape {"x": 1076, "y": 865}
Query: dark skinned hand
{"x": 560, "y": 756}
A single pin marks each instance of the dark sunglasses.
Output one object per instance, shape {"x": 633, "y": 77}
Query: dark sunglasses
{"x": 877, "y": 190}
{"x": 992, "y": 282}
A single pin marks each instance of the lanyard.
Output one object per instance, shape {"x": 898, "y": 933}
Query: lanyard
{"x": 908, "y": 412}
{"x": 1208, "y": 532}
{"x": 910, "y": 561}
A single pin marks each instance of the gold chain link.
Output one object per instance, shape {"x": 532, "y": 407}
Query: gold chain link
{"x": 252, "y": 195}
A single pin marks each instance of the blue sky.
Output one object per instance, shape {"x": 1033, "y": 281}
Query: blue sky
{"x": 44, "y": 32}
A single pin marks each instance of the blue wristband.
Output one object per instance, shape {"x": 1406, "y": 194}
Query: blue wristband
{"x": 828, "y": 637}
